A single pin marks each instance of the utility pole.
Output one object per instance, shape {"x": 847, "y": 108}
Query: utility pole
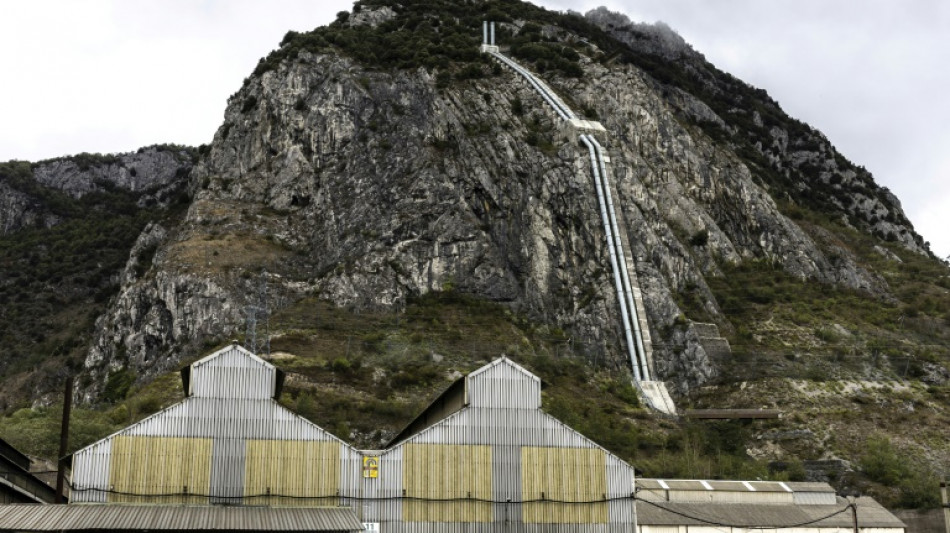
{"x": 64, "y": 440}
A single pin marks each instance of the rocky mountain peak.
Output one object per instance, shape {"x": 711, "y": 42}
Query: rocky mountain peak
{"x": 393, "y": 205}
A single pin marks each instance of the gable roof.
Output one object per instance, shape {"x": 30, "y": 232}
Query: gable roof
{"x": 226, "y": 391}
{"x": 458, "y": 395}
{"x": 231, "y": 364}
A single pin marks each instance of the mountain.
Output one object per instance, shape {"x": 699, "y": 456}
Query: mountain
{"x": 385, "y": 208}
{"x": 66, "y": 228}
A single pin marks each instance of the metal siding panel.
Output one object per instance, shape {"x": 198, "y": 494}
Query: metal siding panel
{"x": 227, "y": 471}
{"x": 620, "y": 488}
{"x": 564, "y": 475}
{"x": 504, "y": 384}
{"x": 91, "y": 471}
{"x": 506, "y": 474}
{"x": 458, "y": 473}
{"x": 159, "y": 467}
{"x": 389, "y": 510}
{"x": 308, "y": 472}
{"x": 351, "y": 478}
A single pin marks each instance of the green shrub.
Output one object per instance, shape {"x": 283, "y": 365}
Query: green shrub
{"x": 117, "y": 385}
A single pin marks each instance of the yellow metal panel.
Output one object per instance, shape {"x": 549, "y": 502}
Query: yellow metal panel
{"x": 564, "y": 475}
{"x": 152, "y": 466}
{"x": 460, "y": 473}
{"x": 306, "y": 471}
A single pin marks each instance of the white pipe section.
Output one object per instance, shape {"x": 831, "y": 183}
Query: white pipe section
{"x": 484, "y": 32}
{"x": 618, "y": 262}
{"x": 601, "y": 199}
{"x": 527, "y": 75}
{"x": 563, "y": 111}
{"x": 625, "y": 276}
{"x": 493, "y": 33}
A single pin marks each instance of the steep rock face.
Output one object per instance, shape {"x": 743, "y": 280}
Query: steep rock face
{"x": 676, "y": 183}
{"x": 156, "y": 174}
{"x": 151, "y": 170}
{"x": 368, "y": 186}
{"x": 20, "y": 210}
{"x": 156, "y": 314}
{"x": 811, "y": 167}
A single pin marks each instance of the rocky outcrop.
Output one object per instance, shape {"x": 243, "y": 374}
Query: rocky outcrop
{"x": 155, "y": 171}
{"x": 369, "y": 186}
{"x": 156, "y": 175}
{"x": 809, "y": 167}
{"x": 153, "y": 322}
{"x": 20, "y": 210}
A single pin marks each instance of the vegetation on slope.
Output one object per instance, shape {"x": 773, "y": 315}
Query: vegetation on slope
{"x": 55, "y": 281}
{"x": 365, "y": 376}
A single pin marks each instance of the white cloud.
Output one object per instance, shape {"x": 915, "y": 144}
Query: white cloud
{"x": 111, "y": 76}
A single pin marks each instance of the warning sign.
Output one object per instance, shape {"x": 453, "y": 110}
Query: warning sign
{"x": 371, "y": 466}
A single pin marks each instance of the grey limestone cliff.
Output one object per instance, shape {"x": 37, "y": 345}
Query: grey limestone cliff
{"x": 367, "y": 186}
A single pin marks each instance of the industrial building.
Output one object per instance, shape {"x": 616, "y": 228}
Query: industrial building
{"x": 715, "y": 506}
{"x": 482, "y": 457}
{"x": 482, "y": 454}
{"x": 227, "y": 442}
{"x": 17, "y": 483}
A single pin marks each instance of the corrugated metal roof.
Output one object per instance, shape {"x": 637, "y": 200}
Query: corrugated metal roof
{"x": 736, "y": 486}
{"x": 870, "y": 514}
{"x": 809, "y": 486}
{"x": 25, "y": 517}
{"x": 13, "y": 455}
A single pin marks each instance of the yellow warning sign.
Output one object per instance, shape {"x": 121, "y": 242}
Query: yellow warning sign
{"x": 371, "y": 466}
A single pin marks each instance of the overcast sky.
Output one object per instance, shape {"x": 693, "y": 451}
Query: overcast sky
{"x": 114, "y": 75}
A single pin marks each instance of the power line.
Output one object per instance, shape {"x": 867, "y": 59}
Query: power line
{"x": 466, "y": 499}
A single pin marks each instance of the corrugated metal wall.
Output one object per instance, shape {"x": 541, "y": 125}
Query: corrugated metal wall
{"x": 174, "y": 465}
{"x": 504, "y": 450}
{"x": 229, "y": 440}
{"x": 292, "y": 468}
{"x": 504, "y": 385}
{"x": 459, "y": 473}
{"x": 564, "y": 475}
{"x": 498, "y": 462}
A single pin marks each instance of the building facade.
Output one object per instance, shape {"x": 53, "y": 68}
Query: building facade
{"x": 483, "y": 457}
{"x": 717, "y": 506}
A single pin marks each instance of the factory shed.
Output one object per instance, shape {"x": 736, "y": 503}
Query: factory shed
{"x": 228, "y": 442}
{"x": 17, "y": 483}
{"x": 705, "y": 506}
{"x": 483, "y": 456}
